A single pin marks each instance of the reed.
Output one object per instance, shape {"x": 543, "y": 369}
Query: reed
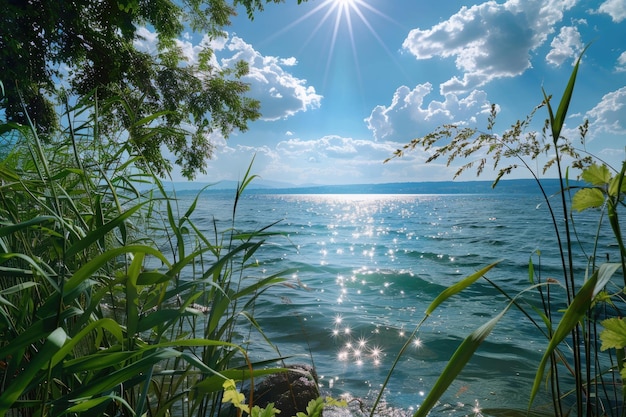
{"x": 97, "y": 315}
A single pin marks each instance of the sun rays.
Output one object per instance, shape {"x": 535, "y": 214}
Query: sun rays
{"x": 339, "y": 22}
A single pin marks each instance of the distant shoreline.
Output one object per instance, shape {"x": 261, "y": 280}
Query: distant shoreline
{"x": 516, "y": 186}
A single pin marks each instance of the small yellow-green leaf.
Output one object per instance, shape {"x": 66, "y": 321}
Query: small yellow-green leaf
{"x": 614, "y": 334}
{"x": 587, "y": 198}
{"x": 615, "y": 184}
{"x": 597, "y": 175}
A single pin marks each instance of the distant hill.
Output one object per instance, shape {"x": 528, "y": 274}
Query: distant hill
{"x": 520, "y": 186}
{"x": 525, "y": 186}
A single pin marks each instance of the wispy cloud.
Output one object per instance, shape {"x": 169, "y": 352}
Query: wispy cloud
{"x": 327, "y": 160}
{"x": 621, "y": 63}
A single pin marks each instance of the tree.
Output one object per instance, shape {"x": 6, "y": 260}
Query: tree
{"x": 89, "y": 45}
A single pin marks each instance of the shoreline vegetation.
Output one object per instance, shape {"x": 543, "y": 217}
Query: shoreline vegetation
{"x": 113, "y": 302}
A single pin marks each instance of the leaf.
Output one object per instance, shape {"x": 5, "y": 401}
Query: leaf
{"x": 160, "y": 317}
{"x": 557, "y": 121}
{"x": 109, "y": 324}
{"x": 614, "y": 334}
{"x": 16, "y": 388}
{"x": 268, "y": 411}
{"x": 91, "y": 404}
{"x": 106, "y": 382}
{"x": 614, "y": 186}
{"x": 572, "y": 316}
{"x": 458, "y": 287}
{"x": 6, "y": 230}
{"x": 233, "y": 396}
{"x": 587, "y": 198}
{"x": 457, "y": 362}
{"x": 18, "y": 287}
{"x": 313, "y": 409}
{"x": 99, "y": 261}
{"x": 96, "y": 234}
{"x": 213, "y": 383}
{"x": 605, "y": 272}
{"x": 598, "y": 175}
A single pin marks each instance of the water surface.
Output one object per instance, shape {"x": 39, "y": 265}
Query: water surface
{"x": 367, "y": 266}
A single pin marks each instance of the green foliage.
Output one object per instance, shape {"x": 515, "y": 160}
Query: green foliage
{"x": 111, "y": 301}
{"x": 313, "y": 409}
{"x": 91, "y": 45}
{"x": 573, "y": 334}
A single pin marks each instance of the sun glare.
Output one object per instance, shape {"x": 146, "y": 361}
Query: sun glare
{"x": 342, "y": 16}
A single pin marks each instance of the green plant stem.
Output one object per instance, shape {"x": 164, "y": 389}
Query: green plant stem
{"x": 568, "y": 271}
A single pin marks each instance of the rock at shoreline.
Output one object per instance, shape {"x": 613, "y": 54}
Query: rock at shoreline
{"x": 290, "y": 391}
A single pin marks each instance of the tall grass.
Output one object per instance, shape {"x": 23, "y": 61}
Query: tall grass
{"x": 583, "y": 364}
{"x": 112, "y": 301}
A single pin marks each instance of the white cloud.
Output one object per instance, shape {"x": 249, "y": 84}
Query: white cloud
{"x": 566, "y": 45}
{"x": 621, "y": 63}
{"x": 327, "y": 160}
{"x": 614, "y": 8}
{"x": 609, "y": 115}
{"x": 408, "y": 116}
{"x": 341, "y": 160}
{"x": 280, "y": 92}
{"x": 488, "y": 40}
{"x": 146, "y": 41}
{"x": 289, "y": 62}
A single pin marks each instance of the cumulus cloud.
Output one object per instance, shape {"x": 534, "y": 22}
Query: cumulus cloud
{"x": 614, "y": 8}
{"x": 609, "y": 115}
{"x": 408, "y": 116}
{"x": 566, "y": 45}
{"x": 280, "y": 92}
{"x": 146, "y": 40}
{"x": 488, "y": 40}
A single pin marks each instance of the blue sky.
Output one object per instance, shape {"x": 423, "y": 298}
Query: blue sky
{"x": 343, "y": 83}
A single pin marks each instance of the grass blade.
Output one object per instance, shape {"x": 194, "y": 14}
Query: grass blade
{"x": 99, "y": 232}
{"x": 557, "y": 121}
{"x": 458, "y": 287}
{"x": 457, "y": 362}
{"x": 572, "y": 316}
{"x": 15, "y": 389}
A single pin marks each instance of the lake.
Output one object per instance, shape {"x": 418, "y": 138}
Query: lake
{"x": 366, "y": 266}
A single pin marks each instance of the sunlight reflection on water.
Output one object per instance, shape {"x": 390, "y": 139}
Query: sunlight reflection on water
{"x": 368, "y": 266}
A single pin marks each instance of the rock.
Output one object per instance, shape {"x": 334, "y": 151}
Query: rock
{"x": 290, "y": 391}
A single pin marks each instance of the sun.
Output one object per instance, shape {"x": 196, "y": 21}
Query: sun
{"x": 340, "y": 14}
{"x": 338, "y": 19}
